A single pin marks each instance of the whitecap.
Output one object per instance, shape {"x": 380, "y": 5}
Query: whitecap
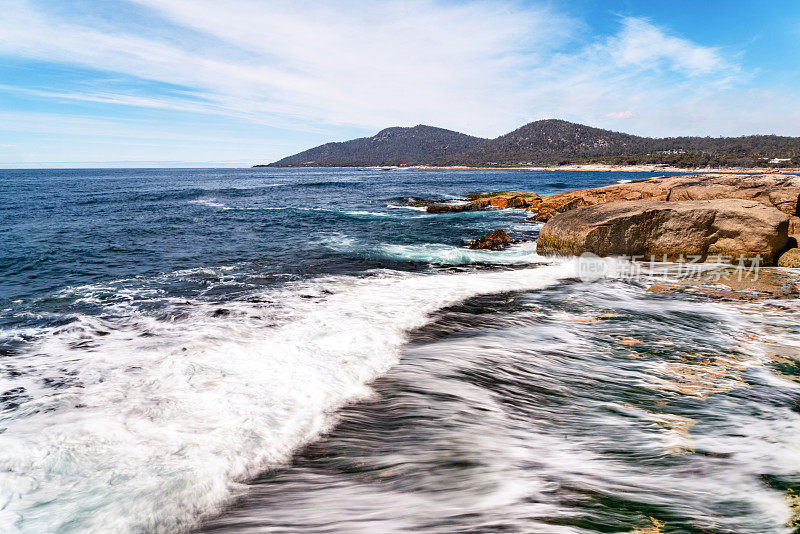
{"x": 211, "y": 203}
{"x": 401, "y": 207}
{"x": 367, "y": 213}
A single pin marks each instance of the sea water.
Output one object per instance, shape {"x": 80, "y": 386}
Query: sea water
{"x": 306, "y": 350}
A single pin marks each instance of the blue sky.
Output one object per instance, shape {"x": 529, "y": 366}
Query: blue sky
{"x": 203, "y": 82}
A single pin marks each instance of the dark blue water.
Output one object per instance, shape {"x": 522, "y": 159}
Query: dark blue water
{"x": 307, "y": 350}
{"x": 68, "y": 227}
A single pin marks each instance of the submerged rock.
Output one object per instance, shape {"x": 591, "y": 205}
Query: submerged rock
{"x": 715, "y": 230}
{"x": 732, "y": 284}
{"x": 494, "y": 241}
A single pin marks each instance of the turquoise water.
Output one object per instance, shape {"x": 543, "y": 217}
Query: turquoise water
{"x": 306, "y": 350}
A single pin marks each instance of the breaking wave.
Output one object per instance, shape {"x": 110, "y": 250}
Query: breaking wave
{"x": 148, "y": 423}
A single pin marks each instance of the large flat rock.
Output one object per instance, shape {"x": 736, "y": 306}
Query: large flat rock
{"x": 714, "y": 230}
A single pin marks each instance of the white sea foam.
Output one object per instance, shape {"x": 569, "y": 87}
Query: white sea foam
{"x": 219, "y": 205}
{"x": 159, "y": 421}
{"x": 211, "y": 203}
{"x": 527, "y": 226}
{"x": 521, "y": 254}
{"x": 438, "y": 253}
{"x": 367, "y": 213}
{"x": 415, "y": 208}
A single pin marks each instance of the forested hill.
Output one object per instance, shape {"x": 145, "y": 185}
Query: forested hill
{"x": 546, "y": 142}
{"x": 420, "y": 145}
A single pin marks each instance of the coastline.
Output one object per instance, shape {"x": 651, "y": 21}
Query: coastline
{"x": 640, "y": 218}
{"x": 587, "y": 167}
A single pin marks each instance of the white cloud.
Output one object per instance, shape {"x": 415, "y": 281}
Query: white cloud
{"x": 640, "y": 43}
{"x": 627, "y": 114}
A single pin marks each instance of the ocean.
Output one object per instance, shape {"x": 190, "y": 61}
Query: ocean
{"x": 308, "y": 350}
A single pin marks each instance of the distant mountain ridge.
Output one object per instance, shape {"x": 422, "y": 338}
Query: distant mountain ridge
{"x": 544, "y": 142}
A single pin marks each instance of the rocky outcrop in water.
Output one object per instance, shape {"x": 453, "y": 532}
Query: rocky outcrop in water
{"x": 449, "y": 207}
{"x": 507, "y": 199}
{"x": 484, "y": 201}
{"x": 714, "y": 230}
{"x": 494, "y": 241}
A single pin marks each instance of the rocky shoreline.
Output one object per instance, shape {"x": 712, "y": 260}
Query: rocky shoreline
{"x": 573, "y": 167}
{"x": 719, "y": 218}
{"x": 743, "y": 220}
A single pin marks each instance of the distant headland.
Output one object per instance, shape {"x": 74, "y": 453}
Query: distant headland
{"x": 549, "y": 143}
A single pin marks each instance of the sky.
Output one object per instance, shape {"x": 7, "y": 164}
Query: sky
{"x": 240, "y": 82}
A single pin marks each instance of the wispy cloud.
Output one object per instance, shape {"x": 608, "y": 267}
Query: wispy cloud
{"x": 627, "y": 114}
{"x": 642, "y": 44}
{"x": 367, "y": 65}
